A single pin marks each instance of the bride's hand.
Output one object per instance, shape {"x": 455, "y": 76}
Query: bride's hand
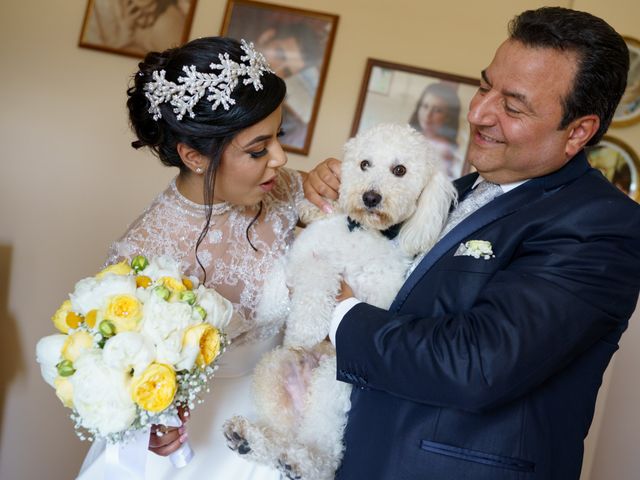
{"x": 322, "y": 183}
{"x": 165, "y": 440}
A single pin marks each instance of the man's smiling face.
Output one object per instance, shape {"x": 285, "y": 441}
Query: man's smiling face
{"x": 516, "y": 113}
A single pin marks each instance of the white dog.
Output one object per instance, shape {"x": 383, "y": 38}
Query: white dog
{"x": 395, "y": 201}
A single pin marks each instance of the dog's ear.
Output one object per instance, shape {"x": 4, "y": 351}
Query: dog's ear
{"x": 420, "y": 232}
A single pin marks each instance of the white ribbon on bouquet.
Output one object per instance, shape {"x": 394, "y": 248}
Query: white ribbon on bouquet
{"x": 129, "y": 460}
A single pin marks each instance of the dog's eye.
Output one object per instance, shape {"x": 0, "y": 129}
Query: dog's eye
{"x": 399, "y": 170}
{"x": 364, "y": 164}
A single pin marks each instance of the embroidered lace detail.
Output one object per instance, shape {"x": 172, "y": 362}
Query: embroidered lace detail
{"x": 198, "y": 209}
{"x": 171, "y": 226}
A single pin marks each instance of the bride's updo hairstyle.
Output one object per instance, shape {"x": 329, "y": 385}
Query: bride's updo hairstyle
{"x": 157, "y": 125}
{"x": 209, "y": 131}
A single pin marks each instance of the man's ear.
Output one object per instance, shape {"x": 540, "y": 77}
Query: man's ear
{"x": 580, "y": 132}
{"x": 194, "y": 160}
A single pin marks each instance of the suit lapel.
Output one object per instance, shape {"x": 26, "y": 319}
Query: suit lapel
{"x": 503, "y": 205}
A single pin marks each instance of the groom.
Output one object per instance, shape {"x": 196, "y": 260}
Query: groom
{"x": 488, "y": 363}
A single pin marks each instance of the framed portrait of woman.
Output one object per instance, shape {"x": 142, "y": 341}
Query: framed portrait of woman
{"x": 297, "y": 44}
{"x": 135, "y": 27}
{"x": 618, "y": 163}
{"x": 434, "y": 103}
{"x": 628, "y": 111}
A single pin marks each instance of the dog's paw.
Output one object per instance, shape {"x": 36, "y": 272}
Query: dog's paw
{"x": 234, "y": 433}
{"x": 289, "y": 470}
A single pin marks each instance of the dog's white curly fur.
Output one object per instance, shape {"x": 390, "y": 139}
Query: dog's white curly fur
{"x": 389, "y": 176}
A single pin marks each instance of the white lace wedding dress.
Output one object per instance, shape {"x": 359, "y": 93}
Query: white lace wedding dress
{"x": 171, "y": 226}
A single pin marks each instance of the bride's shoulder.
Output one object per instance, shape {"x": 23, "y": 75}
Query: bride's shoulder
{"x": 161, "y": 228}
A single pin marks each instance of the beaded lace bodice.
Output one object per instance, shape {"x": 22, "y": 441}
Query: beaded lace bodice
{"x": 172, "y": 224}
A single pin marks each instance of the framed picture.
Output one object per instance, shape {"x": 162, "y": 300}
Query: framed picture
{"x": 434, "y": 103}
{"x": 297, "y": 43}
{"x": 618, "y": 162}
{"x": 135, "y": 27}
{"x": 628, "y": 110}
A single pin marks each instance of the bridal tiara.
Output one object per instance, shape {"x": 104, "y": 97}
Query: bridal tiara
{"x": 190, "y": 88}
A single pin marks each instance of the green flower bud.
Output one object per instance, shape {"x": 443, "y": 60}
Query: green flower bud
{"x": 107, "y": 328}
{"x": 65, "y": 368}
{"x": 162, "y": 291}
{"x": 188, "y": 296}
{"x": 201, "y": 311}
{"x": 139, "y": 263}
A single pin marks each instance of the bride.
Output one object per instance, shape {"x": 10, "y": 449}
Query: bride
{"x": 227, "y": 216}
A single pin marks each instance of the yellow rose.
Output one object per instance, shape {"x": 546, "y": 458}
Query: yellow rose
{"x": 187, "y": 283}
{"x": 121, "y": 268}
{"x": 75, "y": 344}
{"x": 92, "y": 318}
{"x": 74, "y": 320}
{"x": 173, "y": 284}
{"x": 155, "y": 388}
{"x": 125, "y": 311}
{"x": 207, "y": 338}
{"x": 59, "y": 318}
{"x": 143, "y": 281}
{"x": 64, "y": 391}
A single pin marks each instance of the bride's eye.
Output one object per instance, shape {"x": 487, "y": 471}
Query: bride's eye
{"x": 258, "y": 154}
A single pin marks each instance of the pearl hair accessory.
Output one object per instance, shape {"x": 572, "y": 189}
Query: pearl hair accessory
{"x": 185, "y": 94}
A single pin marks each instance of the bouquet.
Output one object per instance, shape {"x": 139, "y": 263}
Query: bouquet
{"x": 137, "y": 342}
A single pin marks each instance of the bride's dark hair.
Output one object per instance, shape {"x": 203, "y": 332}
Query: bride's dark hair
{"x": 210, "y": 131}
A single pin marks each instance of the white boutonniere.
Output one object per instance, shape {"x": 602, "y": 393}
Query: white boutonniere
{"x": 476, "y": 249}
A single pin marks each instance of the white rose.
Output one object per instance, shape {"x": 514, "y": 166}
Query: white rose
{"x": 218, "y": 308}
{"x": 164, "y": 324}
{"x": 162, "y": 266}
{"x": 188, "y": 356}
{"x": 93, "y": 294}
{"x": 101, "y": 394}
{"x": 48, "y": 355}
{"x": 128, "y": 350}
{"x": 194, "y": 281}
{"x": 144, "y": 294}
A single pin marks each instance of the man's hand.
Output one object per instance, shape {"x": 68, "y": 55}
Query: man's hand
{"x": 345, "y": 291}
{"x": 322, "y": 183}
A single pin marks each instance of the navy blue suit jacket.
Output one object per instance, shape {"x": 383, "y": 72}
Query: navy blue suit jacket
{"x": 489, "y": 369}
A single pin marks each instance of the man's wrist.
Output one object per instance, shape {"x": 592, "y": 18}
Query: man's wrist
{"x": 342, "y": 308}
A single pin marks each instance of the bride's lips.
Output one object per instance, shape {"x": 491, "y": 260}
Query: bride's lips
{"x": 268, "y": 185}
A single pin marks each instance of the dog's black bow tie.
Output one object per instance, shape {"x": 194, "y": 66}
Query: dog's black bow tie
{"x": 390, "y": 233}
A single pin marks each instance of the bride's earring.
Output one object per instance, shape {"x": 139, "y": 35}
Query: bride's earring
{"x": 199, "y": 171}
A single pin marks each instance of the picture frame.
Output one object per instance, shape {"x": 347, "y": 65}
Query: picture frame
{"x": 618, "y": 163}
{"x": 135, "y": 27}
{"x": 435, "y": 103}
{"x": 628, "y": 111}
{"x": 297, "y": 43}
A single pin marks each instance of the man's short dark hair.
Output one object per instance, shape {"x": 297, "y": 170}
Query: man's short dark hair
{"x": 603, "y": 59}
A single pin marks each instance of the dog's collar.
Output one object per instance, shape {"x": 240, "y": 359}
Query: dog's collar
{"x": 390, "y": 233}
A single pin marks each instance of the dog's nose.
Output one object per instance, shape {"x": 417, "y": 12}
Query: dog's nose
{"x": 371, "y": 198}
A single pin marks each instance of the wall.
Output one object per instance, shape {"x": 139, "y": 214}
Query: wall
{"x": 70, "y": 183}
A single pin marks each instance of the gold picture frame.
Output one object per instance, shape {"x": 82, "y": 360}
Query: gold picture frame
{"x": 435, "y": 103}
{"x": 628, "y": 111}
{"x": 618, "y": 163}
{"x": 135, "y": 27}
{"x": 298, "y": 44}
